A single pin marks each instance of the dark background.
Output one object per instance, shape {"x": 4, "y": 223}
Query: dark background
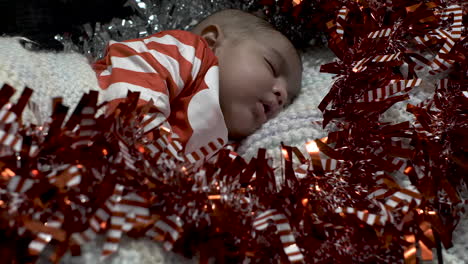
{"x": 41, "y": 20}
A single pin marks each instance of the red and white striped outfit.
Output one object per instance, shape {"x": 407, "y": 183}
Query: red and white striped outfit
{"x": 179, "y": 72}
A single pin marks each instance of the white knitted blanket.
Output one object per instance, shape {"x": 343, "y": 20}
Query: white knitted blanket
{"x": 69, "y": 75}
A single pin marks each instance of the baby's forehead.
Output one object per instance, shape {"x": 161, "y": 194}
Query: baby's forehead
{"x": 278, "y": 41}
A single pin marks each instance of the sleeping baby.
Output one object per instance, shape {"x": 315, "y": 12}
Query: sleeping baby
{"x": 219, "y": 82}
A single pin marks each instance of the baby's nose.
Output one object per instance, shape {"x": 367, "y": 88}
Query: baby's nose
{"x": 281, "y": 95}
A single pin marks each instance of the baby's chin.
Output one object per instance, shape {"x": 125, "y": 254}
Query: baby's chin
{"x": 238, "y": 134}
{"x": 240, "y": 122}
{"x": 241, "y": 128}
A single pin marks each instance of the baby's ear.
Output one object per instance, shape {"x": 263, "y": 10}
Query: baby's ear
{"x": 213, "y": 36}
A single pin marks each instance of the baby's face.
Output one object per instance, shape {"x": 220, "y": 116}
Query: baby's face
{"x": 258, "y": 77}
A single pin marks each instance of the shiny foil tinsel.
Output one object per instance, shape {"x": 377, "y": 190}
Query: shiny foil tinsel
{"x": 150, "y": 16}
{"x": 301, "y": 21}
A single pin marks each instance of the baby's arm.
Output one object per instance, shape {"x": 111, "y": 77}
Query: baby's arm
{"x": 159, "y": 67}
{"x": 177, "y": 71}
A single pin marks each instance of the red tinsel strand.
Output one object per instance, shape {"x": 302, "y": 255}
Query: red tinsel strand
{"x": 342, "y": 101}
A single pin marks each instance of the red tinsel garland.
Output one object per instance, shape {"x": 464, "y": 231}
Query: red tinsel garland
{"x": 65, "y": 182}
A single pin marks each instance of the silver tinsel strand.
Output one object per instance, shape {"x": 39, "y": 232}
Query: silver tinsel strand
{"x": 150, "y": 16}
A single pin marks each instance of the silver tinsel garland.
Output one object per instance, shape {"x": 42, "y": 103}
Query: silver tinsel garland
{"x": 150, "y": 16}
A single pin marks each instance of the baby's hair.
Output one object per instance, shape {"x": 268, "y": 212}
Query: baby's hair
{"x": 238, "y": 24}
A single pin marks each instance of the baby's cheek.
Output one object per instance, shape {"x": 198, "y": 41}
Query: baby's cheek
{"x": 241, "y": 122}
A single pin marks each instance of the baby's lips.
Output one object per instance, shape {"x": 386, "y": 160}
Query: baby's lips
{"x": 271, "y": 108}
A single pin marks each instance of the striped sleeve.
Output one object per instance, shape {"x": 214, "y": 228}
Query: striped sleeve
{"x": 159, "y": 67}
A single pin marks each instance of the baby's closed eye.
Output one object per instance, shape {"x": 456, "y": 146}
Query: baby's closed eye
{"x": 271, "y": 66}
